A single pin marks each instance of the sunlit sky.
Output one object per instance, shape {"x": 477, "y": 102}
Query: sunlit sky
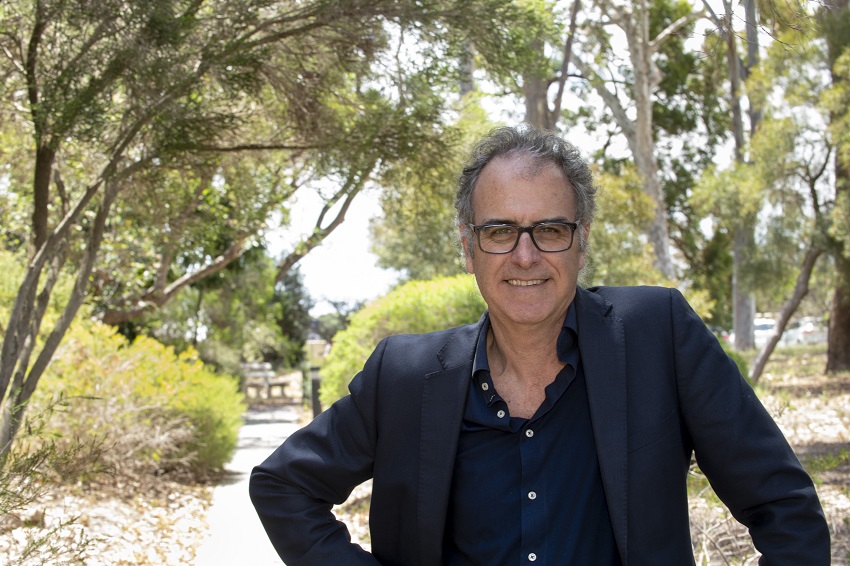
{"x": 342, "y": 268}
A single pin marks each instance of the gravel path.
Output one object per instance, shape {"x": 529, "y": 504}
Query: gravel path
{"x": 235, "y": 534}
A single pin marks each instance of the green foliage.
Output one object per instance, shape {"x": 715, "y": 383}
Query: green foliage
{"x": 181, "y": 129}
{"x": 619, "y": 253}
{"x": 154, "y": 410}
{"x": 28, "y": 468}
{"x": 237, "y": 315}
{"x": 415, "y": 307}
{"x": 329, "y": 324}
{"x": 784, "y": 191}
{"x": 417, "y": 233}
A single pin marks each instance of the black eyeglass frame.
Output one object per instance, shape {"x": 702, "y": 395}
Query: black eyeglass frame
{"x": 573, "y": 226}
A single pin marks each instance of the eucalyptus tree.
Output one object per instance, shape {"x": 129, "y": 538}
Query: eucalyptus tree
{"x": 628, "y": 89}
{"x": 114, "y": 105}
{"x": 738, "y": 69}
{"x": 791, "y": 182}
{"x": 682, "y": 103}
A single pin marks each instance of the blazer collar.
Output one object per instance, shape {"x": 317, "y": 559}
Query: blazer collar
{"x": 443, "y": 402}
{"x": 601, "y": 340}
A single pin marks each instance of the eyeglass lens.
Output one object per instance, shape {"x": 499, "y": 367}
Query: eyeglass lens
{"x": 548, "y": 237}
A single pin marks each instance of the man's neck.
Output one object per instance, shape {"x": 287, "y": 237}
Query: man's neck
{"x": 523, "y": 352}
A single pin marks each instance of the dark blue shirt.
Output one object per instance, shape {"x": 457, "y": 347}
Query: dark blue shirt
{"x": 528, "y": 491}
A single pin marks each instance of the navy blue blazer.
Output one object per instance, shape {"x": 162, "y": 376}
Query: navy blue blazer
{"x": 660, "y": 388}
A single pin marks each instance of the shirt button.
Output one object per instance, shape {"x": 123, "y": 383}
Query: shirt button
{"x": 532, "y": 557}
{"x": 529, "y": 433}
{"x": 532, "y": 495}
{"x": 500, "y": 413}
{"x": 485, "y": 386}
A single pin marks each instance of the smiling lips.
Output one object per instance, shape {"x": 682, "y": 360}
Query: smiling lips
{"x": 525, "y": 283}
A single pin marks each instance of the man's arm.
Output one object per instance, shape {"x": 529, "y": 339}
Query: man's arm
{"x": 742, "y": 451}
{"x": 317, "y": 467}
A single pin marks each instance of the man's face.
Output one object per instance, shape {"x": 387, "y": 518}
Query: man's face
{"x": 525, "y": 286}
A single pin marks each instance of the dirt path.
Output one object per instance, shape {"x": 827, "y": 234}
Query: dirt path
{"x": 235, "y": 534}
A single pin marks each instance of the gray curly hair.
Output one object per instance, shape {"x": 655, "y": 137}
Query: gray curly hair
{"x": 544, "y": 147}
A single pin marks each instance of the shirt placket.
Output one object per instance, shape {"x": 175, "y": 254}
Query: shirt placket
{"x": 534, "y": 498}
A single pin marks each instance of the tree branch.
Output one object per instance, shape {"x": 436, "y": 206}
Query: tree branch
{"x": 611, "y": 100}
{"x": 565, "y": 63}
{"x": 157, "y": 297}
{"x": 350, "y": 190}
{"x": 801, "y": 289}
{"x": 672, "y": 29}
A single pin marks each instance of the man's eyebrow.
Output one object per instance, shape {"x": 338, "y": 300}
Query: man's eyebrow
{"x": 513, "y": 222}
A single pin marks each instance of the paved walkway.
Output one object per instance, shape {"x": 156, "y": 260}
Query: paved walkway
{"x": 236, "y": 535}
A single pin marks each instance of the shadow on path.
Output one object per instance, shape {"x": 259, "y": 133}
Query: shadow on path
{"x": 235, "y": 534}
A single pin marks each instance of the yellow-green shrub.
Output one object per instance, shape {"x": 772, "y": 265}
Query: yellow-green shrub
{"x": 415, "y": 307}
{"x": 157, "y": 411}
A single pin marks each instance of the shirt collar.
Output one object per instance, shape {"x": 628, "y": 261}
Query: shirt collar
{"x": 566, "y": 348}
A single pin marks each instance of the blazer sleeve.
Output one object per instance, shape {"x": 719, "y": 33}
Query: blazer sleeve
{"x": 317, "y": 467}
{"x": 742, "y": 451}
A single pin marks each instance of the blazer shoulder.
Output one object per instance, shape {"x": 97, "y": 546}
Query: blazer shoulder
{"x": 641, "y": 297}
{"x": 448, "y": 348}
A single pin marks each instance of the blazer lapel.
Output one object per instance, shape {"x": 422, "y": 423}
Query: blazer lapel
{"x": 602, "y": 346}
{"x": 443, "y": 401}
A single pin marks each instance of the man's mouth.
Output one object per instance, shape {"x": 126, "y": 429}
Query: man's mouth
{"x": 525, "y": 282}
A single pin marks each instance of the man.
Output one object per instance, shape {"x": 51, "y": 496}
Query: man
{"x": 558, "y": 430}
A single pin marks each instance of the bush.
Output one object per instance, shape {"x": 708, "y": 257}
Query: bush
{"x": 155, "y": 411}
{"x": 415, "y": 307}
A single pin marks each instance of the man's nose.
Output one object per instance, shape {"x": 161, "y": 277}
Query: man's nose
{"x": 525, "y": 252}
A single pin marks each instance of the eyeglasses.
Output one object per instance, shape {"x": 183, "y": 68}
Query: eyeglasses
{"x": 504, "y": 238}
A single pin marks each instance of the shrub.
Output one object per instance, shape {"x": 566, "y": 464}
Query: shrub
{"x": 156, "y": 411}
{"x": 27, "y": 538}
{"x": 415, "y": 307}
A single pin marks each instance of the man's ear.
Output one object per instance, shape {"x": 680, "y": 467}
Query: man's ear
{"x": 585, "y": 233}
{"x": 466, "y": 242}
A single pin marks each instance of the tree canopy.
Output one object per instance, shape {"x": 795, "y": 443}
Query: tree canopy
{"x": 148, "y": 143}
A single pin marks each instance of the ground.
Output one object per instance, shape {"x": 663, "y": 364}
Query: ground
{"x": 160, "y": 522}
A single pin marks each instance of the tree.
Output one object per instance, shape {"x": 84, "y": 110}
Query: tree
{"x": 836, "y": 25}
{"x": 417, "y": 233}
{"x": 642, "y": 77}
{"x": 785, "y": 184}
{"x": 117, "y": 97}
{"x": 743, "y": 298}
{"x": 237, "y": 315}
{"x": 543, "y": 88}
{"x": 329, "y": 324}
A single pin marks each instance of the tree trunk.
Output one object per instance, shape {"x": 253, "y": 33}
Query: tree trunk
{"x": 535, "y": 92}
{"x": 838, "y": 343}
{"x": 467, "y": 70}
{"x": 27, "y": 376}
{"x": 744, "y": 302}
{"x": 743, "y": 299}
{"x": 44, "y": 157}
{"x": 646, "y": 79}
{"x": 801, "y": 289}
